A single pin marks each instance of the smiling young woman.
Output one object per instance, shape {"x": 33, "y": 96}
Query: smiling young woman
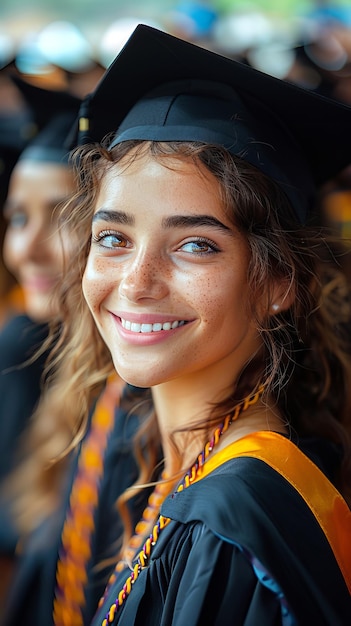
{"x": 160, "y": 267}
{"x": 200, "y": 280}
{"x": 169, "y": 243}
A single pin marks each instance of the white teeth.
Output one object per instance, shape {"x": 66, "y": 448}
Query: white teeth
{"x": 150, "y": 328}
{"x": 145, "y": 328}
{"x": 156, "y": 327}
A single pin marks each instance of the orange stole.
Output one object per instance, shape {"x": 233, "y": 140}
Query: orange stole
{"x": 71, "y": 575}
{"x": 325, "y": 502}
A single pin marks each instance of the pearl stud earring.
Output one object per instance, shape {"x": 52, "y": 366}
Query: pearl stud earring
{"x": 275, "y": 307}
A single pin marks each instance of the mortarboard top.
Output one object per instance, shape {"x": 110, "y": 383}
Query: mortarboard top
{"x": 296, "y": 137}
{"x": 54, "y": 113}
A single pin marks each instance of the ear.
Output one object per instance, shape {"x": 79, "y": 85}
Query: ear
{"x": 281, "y": 298}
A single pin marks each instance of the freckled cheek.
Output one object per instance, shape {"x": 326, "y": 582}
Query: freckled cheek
{"x": 206, "y": 304}
{"x": 217, "y": 301}
{"x": 203, "y": 294}
{"x": 97, "y": 283}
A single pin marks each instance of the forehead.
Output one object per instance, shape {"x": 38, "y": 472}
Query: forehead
{"x": 173, "y": 177}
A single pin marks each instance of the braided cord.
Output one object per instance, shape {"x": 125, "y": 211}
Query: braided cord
{"x": 192, "y": 474}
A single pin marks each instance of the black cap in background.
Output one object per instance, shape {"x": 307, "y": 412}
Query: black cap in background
{"x": 54, "y": 115}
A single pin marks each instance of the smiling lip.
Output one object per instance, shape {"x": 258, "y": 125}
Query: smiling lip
{"x": 147, "y": 329}
{"x": 156, "y": 327}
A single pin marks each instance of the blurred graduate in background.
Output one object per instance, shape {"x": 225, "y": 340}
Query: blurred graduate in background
{"x": 35, "y": 180}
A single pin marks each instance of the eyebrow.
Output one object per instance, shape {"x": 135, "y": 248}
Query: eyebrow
{"x": 174, "y": 221}
{"x": 119, "y": 217}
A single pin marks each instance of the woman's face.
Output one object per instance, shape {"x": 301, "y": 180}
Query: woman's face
{"x": 32, "y": 246}
{"x": 166, "y": 276}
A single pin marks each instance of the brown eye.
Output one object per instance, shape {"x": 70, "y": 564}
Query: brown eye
{"x": 111, "y": 240}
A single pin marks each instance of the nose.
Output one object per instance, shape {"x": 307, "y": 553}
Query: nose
{"x": 145, "y": 278}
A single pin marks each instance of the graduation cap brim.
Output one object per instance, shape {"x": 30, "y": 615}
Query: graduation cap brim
{"x": 320, "y": 127}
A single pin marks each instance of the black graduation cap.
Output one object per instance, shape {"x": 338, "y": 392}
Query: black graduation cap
{"x": 54, "y": 115}
{"x": 163, "y": 88}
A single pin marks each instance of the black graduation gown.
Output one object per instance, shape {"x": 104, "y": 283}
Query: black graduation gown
{"x": 19, "y": 386}
{"x": 32, "y": 592}
{"x": 242, "y": 549}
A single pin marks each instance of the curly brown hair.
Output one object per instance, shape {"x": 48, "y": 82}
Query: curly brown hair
{"x": 305, "y": 364}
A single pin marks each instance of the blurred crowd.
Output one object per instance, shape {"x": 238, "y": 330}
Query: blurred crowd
{"x": 312, "y": 50}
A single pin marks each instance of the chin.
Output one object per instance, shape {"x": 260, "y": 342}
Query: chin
{"x": 135, "y": 381}
{"x": 140, "y": 379}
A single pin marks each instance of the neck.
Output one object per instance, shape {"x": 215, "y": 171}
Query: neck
{"x": 177, "y": 413}
{"x": 181, "y": 416}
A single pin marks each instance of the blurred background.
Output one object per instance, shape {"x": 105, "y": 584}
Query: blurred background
{"x": 307, "y": 41}
{"x": 67, "y": 45}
